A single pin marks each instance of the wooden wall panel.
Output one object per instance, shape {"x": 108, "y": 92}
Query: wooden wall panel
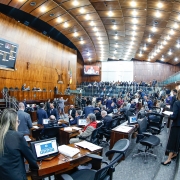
{"x": 147, "y": 71}
{"x": 44, "y": 55}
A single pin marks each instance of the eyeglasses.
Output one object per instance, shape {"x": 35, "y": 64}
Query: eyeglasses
{"x": 18, "y": 121}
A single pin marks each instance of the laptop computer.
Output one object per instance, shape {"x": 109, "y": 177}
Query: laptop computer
{"x": 132, "y": 120}
{"x": 81, "y": 122}
{"x": 115, "y": 111}
{"x": 44, "y": 148}
{"x": 45, "y": 121}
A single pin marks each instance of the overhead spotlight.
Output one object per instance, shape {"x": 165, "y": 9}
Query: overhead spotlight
{"x": 110, "y": 13}
{"x": 116, "y": 36}
{"x": 97, "y": 34}
{"x": 176, "y": 25}
{"x": 134, "y": 12}
{"x": 140, "y": 54}
{"x": 133, "y": 38}
{"x": 164, "y": 42}
{"x": 149, "y": 39}
{"x": 115, "y": 51}
{"x": 158, "y": 14}
{"x": 178, "y": 45}
{"x": 162, "y": 58}
{"x": 160, "y": 5}
{"x": 95, "y": 29}
{"x": 161, "y": 46}
{"x": 89, "y": 59}
{"x": 65, "y": 24}
{"x": 87, "y": 16}
{"x": 155, "y": 53}
{"x": 75, "y": 34}
{"x": 114, "y": 27}
{"x": 134, "y": 33}
{"x": 168, "y": 37}
{"x": 82, "y": 10}
{"x": 176, "y": 59}
{"x": 59, "y": 19}
{"x": 133, "y": 3}
{"x": 171, "y": 32}
{"x": 169, "y": 53}
{"x": 43, "y": 9}
{"x": 134, "y": 27}
{"x": 99, "y": 38}
{"x": 88, "y": 53}
{"x": 81, "y": 42}
{"x": 134, "y": 20}
{"x": 153, "y": 29}
{"x": 116, "y": 45}
{"x": 144, "y": 48}
{"x": 158, "y": 50}
{"x": 92, "y": 23}
{"x": 75, "y": 2}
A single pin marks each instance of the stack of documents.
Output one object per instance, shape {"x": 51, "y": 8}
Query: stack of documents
{"x": 76, "y": 128}
{"x": 88, "y": 145}
{"x": 68, "y": 151}
{"x": 124, "y": 129}
{"x": 35, "y": 127}
{"x": 168, "y": 113}
{"x": 67, "y": 129}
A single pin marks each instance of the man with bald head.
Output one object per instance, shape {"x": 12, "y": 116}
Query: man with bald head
{"x": 25, "y": 120}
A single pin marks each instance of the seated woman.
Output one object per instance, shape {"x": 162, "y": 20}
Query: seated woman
{"x": 88, "y": 129}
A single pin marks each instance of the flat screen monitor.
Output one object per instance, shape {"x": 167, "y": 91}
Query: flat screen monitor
{"x": 91, "y": 70}
{"x": 45, "y": 121}
{"x": 44, "y": 148}
{"x": 8, "y": 54}
{"x": 115, "y": 111}
{"x": 82, "y": 122}
{"x": 132, "y": 120}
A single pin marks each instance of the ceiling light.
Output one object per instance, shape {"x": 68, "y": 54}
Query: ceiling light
{"x": 89, "y": 59}
{"x": 116, "y": 45}
{"x": 134, "y": 13}
{"x": 75, "y": 34}
{"x": 164, "y": 42}
{"x": 92, "y": 23}
{"x": 179, "y": 17}
{"x": 99, "y": 38}
{"x": 134, "y": 27}
{"x": 133, "y": 38}
{"x": 171, "y": 32}
{"x": 154, "y": 29}
{"x": 116, "y": 37}
{"x": 134, "y": 20}
{"x": 115, "y": 52}
{"x": 170, "y": 53}
{"x": 140, "y": 54}
{"x": 158, "y": 14}
{"x": 110, "y": 13}
{"x": 144, "y": 48}
{"x": 162, "y": 59}
{"x": 59, "y": 19}
{"x": 178, "y": 45}
{"x": 82, "y": 10}
{"x": 158, "y": 50}
{"x": 132, "y": 43}
{"x": 168, "y": 37}
{"x": 100, "y": 42}
{"x": 133, "y": 33}
{"x": 176, "y": 59}
{"x": 97, "y": 34}
{"x": 149, "y": 39}
{"x": 155, "y": 53}
{"x": 114, "y": 27}
{"x": 176, "y": 25}
{"x": 160, "y": 5}
{"x": 43, "y": 9}
{"x": 82, "y": 42}
{"x": 75, "y": 2}
{"x": 95, "y": 29}
{"x": 65, "y": 24}
{"x": 161, "y": 46}
{"x": 133, "y": 3}
{"x": 87, "y": 16}
{"x": 88, "y": 53}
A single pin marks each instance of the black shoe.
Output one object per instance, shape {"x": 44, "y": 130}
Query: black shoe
{"x": 167, "y": 164}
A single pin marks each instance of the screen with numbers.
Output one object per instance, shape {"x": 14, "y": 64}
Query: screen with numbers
{"x": 8, "y": 54}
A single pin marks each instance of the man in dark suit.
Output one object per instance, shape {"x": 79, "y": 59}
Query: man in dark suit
{"x": 41, "y": 114}
{"x": 173, "y": 99}
{"x": 23, "y": 87}
{"x": 89, "y": 109}
{"x": 106, "y": 119}
{"x": 72, "y": 111}
{"x": 25, "y": 120}
{"x": 53, "y": 111}
{"x": 74, "y": 120}
{"x": 108, "y": 103}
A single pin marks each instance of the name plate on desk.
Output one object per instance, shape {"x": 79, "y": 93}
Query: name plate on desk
{"x": 124, "y": 129}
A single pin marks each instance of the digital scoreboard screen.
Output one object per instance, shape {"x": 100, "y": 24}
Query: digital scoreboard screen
{"x": 8, "y": 54}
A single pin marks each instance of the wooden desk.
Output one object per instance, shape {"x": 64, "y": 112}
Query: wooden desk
{"x": 65, "y": 136}
{"x": 33, "y": 115}
{"x": 117, "y": 135}
{"x": 57, "y": 165}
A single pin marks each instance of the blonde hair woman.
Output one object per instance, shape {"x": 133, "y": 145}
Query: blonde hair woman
{"x": 174, "y": 137}
{"x": 13, "y": 148}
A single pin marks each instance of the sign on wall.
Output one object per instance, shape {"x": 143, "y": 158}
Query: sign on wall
{"x": 8, "y": 54}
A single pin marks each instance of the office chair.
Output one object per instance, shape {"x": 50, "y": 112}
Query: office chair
{"x": 146, "y": 139}
{"x": 155, "y": 122}
{"x": 130, "y": 112}
{"x": 105, "y": 173}
{"x": 156, "y": 109}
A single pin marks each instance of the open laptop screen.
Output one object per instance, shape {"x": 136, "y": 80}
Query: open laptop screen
{"x": 45, "y": 148}
{"x": 82, "y": 122}
{"x": 115, "y": 111}
{"x": 132, "y": 119}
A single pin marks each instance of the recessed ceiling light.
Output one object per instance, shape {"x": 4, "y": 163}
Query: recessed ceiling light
{"x": 168, "y": 37}
{"x": 43, "y": 9}
{"x": 158, "y": 14}
{"x": 116, "y": 45}
{"x": 149, "y": 39}
{"x": 97, "y": 34}
{"x": 110, "y": 13}
{"x": 170, "y": 52}
{"x": 88, "y": 53}
{"x": 133, "y": 3}
{"x": 59, "y": 19}
{"x": 133, "y": 38}
{"x": 82, "y": 42}
{"x": 158, "y": 50}
{"x": 89, "y": 59}
{"x": 95, "y": 29}
{"x": 134, "y": 27}
{"x": 164, "y": 42}
{"x": 115, "y": 52}
{"x": 178, "y": 45}
{"x": 87, "y": 16}
{"x": 65, "y": 24}
{"x": 161, "y": 46}
{"x": 134, "y": 33}
{"x": 176, "y": 59}
{"x": 171, "y": 32}
{"x": 75, "y": 34}
{"x": 75, "y": 2}
{"x": 82, "y": 10}
{"x": 134, "y": 20}
{"x": 99, "y": 38}
{"x": 32, "y": 3}
{"x": 134, "y": 12}
{"x": 140, "y": 54}
{"x": 160, "y": 5}
{"x": 153, "y": 29}
{"x": 162, "y": 59}
{"x": 116, "y": 37}
{"x": 51, "y": 15}
{"x": 144, "y": 48}
{"x": 176, "y": 25}
{"x": 114, "y": 27}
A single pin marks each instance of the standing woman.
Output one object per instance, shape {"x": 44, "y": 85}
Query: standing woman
{"x": 13, "y": 149}
{"x": 174, "y": 137}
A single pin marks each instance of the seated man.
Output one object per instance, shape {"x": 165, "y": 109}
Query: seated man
{"x": 88, "y": 129}
{"x": 52, "y": 122}
{"x": 53, "y": 111}
{"x": 23, "y": 87}
{"x": 106, "y": 119}
{"x": 89, "y": 109}
{"x": 74, "y": 120}
{"x": 72, "y": 111}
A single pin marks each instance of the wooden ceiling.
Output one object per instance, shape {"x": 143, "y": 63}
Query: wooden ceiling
{"x": 120, "y": 29}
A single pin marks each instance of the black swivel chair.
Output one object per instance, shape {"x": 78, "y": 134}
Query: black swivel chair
{"x": 105, "y": 173}
{"x": 146, "y": 139}
{"x": 155, "y": 109}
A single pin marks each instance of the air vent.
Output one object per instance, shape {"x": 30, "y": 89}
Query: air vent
{"x": 32, "y": 3}
{"x": 51, "y": 15}
{"x": 156, "y": 23}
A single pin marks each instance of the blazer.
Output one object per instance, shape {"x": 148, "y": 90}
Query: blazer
{"x": 89, "y": 109}
{"x": 25, "y": 122}
{"x": 107, "y": 121}
{"x": 73, "y": 112}
{"x": 54, "y": 112}
{"x": 173, "y": 100}
{"x": 108, "y": 103}
{"x": 41, "y": 114}
{"x": 74, "y": 121}
{"x": 176, "y": 114}
{"x": 12, "y": 162}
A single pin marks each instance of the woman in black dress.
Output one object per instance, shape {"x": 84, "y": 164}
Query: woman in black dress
{"x": 174, "y": 137}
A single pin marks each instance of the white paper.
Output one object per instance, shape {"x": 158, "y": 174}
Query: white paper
{"x": 35, "y": 127}
{"x": 76, "y": 128}
{"x": 67, "y": 129}
{"x": 123, "y": 129}
{"x": 68, "y": 151}
{"x": 27, "y": 138}
{"x": 168, "y": 113}
{"x": 88, "y": 145}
